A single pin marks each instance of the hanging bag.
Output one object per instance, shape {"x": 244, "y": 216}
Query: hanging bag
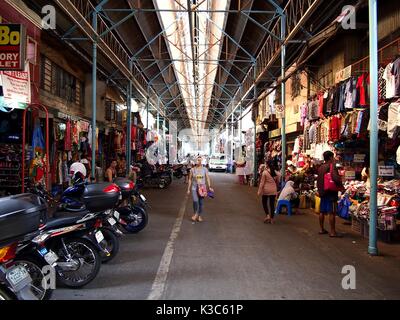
{"x": 202, "y": 190}
{"x": 329, "y": 184}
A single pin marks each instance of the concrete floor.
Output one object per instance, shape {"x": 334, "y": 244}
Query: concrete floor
{"x": 233, "y": 255}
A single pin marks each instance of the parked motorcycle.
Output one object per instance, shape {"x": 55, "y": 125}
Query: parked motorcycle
{"x": 178, "y": 171}
{"x": 16, "y": 282}
{"x": 154, "y": 180}
{"x": 132, "y": 217}
{"x": 73, "y": 201}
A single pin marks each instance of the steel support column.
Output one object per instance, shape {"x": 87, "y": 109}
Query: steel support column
{"x": 129, "y": 124}
{"x": 164, "y": 141}
{"x": 158, "y": 123}
{"x": 255, "y": 170}
{"x": 232, "y": 133}
{"x": 240, "y": 132}
{"x": 373, "y": 52}
{"x": 147, "y": 112}
{"x": 283, "y": 100}
{"x": 94, "y": 97}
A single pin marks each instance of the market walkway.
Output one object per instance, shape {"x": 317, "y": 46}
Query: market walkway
{"x": 233, "y": 255}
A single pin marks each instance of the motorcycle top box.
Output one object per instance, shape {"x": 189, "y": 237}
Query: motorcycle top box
{"x": 21, "y": 214}
{"x": 126, "y": 186}
{"x": 101, "y": 196}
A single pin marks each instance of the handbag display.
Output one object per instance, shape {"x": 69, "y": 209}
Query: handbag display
{"x": 329, "y": 184}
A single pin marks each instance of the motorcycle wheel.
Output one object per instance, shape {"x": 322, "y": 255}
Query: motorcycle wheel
{"x": 137, "y": 219}
{"x": 4, "y": 295}
{"x": 112, "y": 245}
{"x": 34, "y": 267}
{"x": 89, "y": 262}
{"x": 162, "y": 184}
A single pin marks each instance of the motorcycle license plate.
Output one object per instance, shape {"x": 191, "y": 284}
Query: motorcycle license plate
{"x": 143, "y": 197}
{"x": 99, "y": 236}
{"x": 18, "y": 275}
{"x": 112, "y": 221}
{"x": 116, "y": 215}
{"x": 51, "y": 257}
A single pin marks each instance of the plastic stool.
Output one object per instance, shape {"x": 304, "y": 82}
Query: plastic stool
{"x": 282, "y": 203}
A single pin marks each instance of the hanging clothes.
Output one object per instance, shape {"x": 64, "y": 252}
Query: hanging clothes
{"x": 381, "y": 85}
{"x": 330, "y": 102}
{"x": 321, "y": 102}
{"x": 97, "y": 139}
{"x": 37, "y": 139}
{"x": 90, "y": 139}
{"x": 312, "y": 110}
{"x": 67, "y": 138}
{"x": 342, "y": 97}
{"x": 393, "y": 129}
{"x": 363, "y": 89}
{"x": 75, "y": 133}
{"x": 390, "y": 81}
{"x": 84, "y": 126}
{"x": 396, "y": 73}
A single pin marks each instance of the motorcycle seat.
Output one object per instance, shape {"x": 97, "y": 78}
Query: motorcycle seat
{"x": 67, "y": 213}
{"x": 66, "y": 220}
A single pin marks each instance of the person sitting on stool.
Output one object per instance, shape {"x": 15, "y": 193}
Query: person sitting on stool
{"x": 288, "y": 193}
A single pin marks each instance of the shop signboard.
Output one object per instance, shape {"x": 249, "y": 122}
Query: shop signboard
{"x": 280, "y": 111}
{"x": 343, "y": 74}
{"x": 386, "y": 171}
{"x": 12, "y": 47}
{"x": 274, "y": 133}
{"x": 350, "y": 175}
{"x": 16, "y": 87}
{"x": 359, "y": 158}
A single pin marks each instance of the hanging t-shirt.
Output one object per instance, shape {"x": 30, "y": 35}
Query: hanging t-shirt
{"x": 381, "y": 84}
{"x": 312, "y": 110}
{"x": 393, "y": 120}
{"x": 271, "y": 100}
{"x": 75, "y": 133}
{"x": 362, "y": 86}
{"x": 321, "y": 104}
{"x": 348, "y": 103}
{"x": 390, "y": 81}
{"x": 90, "y": 139}
{"x": 396, "y": 73}
{"x": 398, "y": 156}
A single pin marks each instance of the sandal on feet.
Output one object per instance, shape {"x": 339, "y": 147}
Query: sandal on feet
{"x": 267, "y": 220}
{"x": 194, "y": 218}
{"x": 323, "y": 232}
{"x": 335, "y": 236}
{"x": 200, "y": 219}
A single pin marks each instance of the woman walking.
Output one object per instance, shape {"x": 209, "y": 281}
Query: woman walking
{"x": 197, "y": 186}
{"x": 268, "y": 190}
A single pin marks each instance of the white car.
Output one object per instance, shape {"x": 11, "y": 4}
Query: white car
{"x": 218, "y": 163}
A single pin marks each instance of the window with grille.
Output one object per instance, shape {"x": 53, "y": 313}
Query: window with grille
{"x": 60, "y": 83}
{"x": 110, "y": 110}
